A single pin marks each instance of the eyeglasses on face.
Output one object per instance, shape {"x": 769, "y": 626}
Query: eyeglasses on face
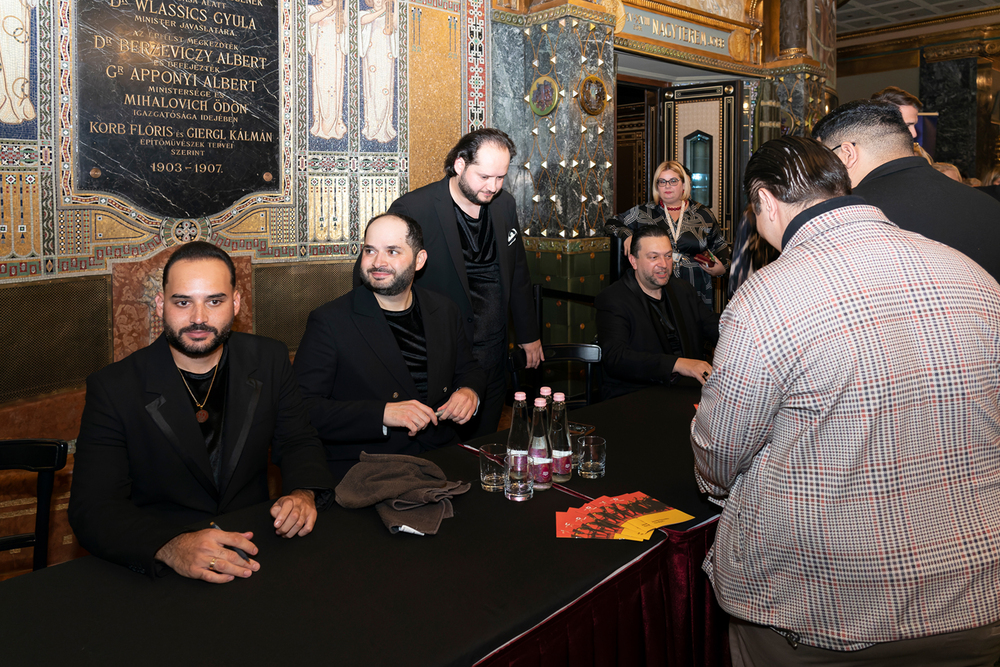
{"x": 835, "y": 148}
{"x": 660, "y": 182}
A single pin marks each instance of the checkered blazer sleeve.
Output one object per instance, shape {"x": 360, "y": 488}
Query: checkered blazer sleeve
{"x": 738, "y": 405}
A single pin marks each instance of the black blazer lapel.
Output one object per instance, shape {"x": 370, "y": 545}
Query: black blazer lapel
{"x": 374, "y": 330}
{"x": 445, "y": 209}
{"x": 241, "y": 404}
{"x": 171, "y": 411}
{"x": 504, "y": 253}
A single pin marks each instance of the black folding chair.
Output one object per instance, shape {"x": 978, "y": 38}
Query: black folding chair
{"x": 44, "y": 457}
{"x": 587, "y": 354}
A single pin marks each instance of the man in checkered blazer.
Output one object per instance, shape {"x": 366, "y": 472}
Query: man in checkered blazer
{"x": 851, "y": 428}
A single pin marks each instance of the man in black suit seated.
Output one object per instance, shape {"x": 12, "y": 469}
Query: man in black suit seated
{"x": 373, "y": 363}
{"x": 652, "y": 329}
{"x": 178, "y": 433}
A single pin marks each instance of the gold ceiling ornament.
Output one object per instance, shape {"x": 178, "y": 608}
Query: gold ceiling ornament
{"x": 618, "y": 9}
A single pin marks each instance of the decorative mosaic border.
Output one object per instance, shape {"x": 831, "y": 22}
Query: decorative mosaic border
{"x": 474, "y": 76}
{"x": 566, "y": 11}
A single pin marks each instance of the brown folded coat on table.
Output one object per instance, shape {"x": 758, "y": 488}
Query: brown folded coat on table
{"x": 409, "y": 493}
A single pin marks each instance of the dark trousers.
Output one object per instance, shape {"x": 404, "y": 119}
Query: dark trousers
{"x": 753, "y": 645}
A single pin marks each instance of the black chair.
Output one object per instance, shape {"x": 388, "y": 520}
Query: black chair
{"x": 44, "y": 457}
{"x": 588, "y": 355}
{"x": 619, "y": 265}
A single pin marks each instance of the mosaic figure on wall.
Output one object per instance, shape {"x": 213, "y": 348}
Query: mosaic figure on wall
{"x": 15, "y": 61}
{"x": 378, "y": 49}
{"x": 328, "y": 48}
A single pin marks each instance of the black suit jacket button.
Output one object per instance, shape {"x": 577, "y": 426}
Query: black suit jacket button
{"x": 445, "y": 390}
{"x": 469, "y": 319}
{"x": 395, "y": 394}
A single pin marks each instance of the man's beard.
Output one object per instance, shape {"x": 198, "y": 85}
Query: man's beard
{"x": 175, "y": 340}
{"x": 398, "y": 285}
{"x": 651, "y": 279}
{"x": 470, "y": 194}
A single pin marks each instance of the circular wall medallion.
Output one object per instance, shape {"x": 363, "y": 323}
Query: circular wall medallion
{"x": 543, "y": 96}
{"x": 739, "y": 46}
{"x": 593, "y": 95}
{"x": 186, "y": 231}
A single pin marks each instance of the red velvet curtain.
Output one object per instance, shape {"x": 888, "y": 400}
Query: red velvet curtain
{"x": 659, "y": 611}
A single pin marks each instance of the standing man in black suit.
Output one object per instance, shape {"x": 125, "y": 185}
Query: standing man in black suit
{"x": 874, "y": 143}
{"x": 652, "y": 329}
{"x": 178, "y": 433}
{"x": 373, "y": 363}
{"x": 477, "y": 257}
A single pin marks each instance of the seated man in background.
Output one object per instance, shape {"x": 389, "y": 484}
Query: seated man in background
{"x": 178, "y": 433}
{"x": 373, "y": 363}
{"x": 652, "y": 329}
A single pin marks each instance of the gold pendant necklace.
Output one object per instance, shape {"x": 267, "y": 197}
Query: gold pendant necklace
{"x": 202, "y": 414}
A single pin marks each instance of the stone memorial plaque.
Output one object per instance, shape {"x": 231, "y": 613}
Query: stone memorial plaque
{"x": 177, "y": 102}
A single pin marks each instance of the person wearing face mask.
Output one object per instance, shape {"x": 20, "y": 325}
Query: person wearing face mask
{"x": 700, "y": 251}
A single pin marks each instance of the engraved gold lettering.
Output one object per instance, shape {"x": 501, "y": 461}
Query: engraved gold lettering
{"x": 172, "y": 10}
{"x": 107, "y": 128}
{"x": 234, "y": 20}
{"x": 242, "y": 135}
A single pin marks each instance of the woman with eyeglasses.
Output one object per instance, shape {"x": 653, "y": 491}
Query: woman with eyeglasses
{"x": 700, "y": 252}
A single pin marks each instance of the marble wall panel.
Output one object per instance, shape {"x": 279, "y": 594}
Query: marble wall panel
{"x": 562, "y": 177}
{"x": 949, "y": 88}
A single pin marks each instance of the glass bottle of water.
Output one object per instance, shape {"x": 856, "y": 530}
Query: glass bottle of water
{"x": 539, "y": 452}
{"x": 546, "y": 393}
{"x": 518, "y": 481}
{"x": 560, "y": 440}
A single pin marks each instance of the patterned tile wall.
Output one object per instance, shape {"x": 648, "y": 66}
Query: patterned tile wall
{"x": 354, "y": 117}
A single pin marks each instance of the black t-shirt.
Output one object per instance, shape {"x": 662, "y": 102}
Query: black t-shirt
{"x": 663, "y": 323}
{"x": 202, "y": 385}
{"x": 479, "y": 250}
{"x": 408, "y": 328}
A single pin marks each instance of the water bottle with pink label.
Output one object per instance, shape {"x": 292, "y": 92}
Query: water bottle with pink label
{"x": 559, "y": 440}
{"x": 518, "y": 485}
{"x": 539, "y": 451}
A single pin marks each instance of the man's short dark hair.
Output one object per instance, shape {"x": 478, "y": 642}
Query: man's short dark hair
{"x": 897, "y": 96}
{"x": 796, "y": 170}
{"x": 468, "y": 147}
{"x": 200, "y": 250}
{"x": 414, "y": 234}
{"x": 646, "y": 232}
{"x": 876, "y": 126}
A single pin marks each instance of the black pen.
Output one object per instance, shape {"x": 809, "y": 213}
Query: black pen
{"x": 239, "y": 552}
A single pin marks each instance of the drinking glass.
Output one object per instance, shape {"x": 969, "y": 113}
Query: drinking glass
{"x": 491, "y": 466}
{"x": 593, "y": 455}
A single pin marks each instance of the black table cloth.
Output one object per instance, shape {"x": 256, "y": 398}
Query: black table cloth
{"x": 351, "y": 593}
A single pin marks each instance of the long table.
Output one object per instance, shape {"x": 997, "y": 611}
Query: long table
{"x": 494, "y": 586}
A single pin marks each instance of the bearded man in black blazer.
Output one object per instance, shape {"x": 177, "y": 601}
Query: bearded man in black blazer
{"x": 179, "y": 432}
{"x": 652, "y": 329}
{"x": 477, "y": 259}
{"x": 386, "y": 368}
